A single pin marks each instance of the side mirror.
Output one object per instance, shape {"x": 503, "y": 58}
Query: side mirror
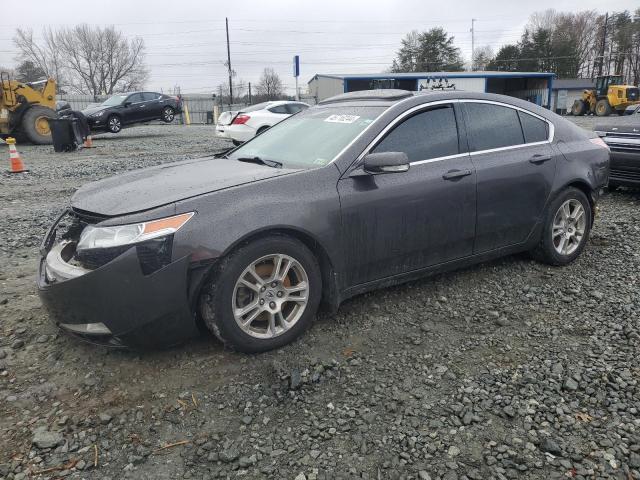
{"x": 386, "y": 162}
{"x": 127, "y": 104}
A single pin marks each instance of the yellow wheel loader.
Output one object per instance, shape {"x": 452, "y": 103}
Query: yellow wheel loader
{"x": 25, "y": 107}
{"x": 610, "y": 95}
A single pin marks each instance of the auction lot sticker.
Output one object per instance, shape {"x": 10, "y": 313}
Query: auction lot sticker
{"x": 342, "y": 118}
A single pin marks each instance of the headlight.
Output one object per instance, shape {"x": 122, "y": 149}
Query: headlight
{"x": 108, "y": 237}
{"x": 99, "y": 114}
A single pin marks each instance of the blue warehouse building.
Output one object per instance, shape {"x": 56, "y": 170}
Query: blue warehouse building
{"x": 535, "y": 87}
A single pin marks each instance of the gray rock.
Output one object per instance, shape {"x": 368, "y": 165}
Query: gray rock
{"x": 228, "y": 455}
{"x": 47, "y": 439}
{"x": 17, "y": 344}
{"x": 634, "y": 460}
{"x": 423, "y": 475}
{"x": 105, "y": 418}
{"x": 570, "y": 384}
{"x": 549, "y": 445}
{"x": 295, "y": 380}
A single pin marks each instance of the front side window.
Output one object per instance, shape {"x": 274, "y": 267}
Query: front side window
{"x": 492, "y": 126}
{"x": 426, "y": 135}
{"x": 310, "y": 139}
{"x": 535, "y": 130}
{"x": 135, "y": 98}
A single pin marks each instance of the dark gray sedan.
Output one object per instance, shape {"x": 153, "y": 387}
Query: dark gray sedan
{"x": 365, "y": 190}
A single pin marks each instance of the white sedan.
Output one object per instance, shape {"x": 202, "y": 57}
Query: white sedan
{"x": 243, "y": 125}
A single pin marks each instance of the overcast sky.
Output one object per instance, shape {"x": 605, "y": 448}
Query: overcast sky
{"x": 185, "y": 40}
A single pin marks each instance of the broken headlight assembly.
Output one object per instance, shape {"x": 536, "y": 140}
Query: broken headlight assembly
{"x": 153, "y": 241}
{"x": 94, "y": 237}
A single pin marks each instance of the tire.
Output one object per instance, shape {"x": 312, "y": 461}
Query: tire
{"x": 603, "y": 109}
{"x": 35, "y": 126}
{"x": 168, "y": 114}
{"x": 114, "y": 124}
{"x": 225, "y": 294}
{"x": 578, "y": 108}
{"x": 263, "y": 129}
{"x": 236, "y": 143}
{"x": 547, "y": 250}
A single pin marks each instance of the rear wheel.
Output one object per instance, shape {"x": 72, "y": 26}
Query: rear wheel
{"x": 566, "y": 228}
{"x": 114, "y": 124}
{"x": 264, "y": 295}
{"x": 578, "y": 108}
{"x": 35, "y": 126}
{"x": 168, "y": 114}
{"x": 603, "y": 108}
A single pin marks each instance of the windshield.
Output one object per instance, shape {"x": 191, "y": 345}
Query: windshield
{"x": 310, "y": 139}
{"x": 113, "y": 101}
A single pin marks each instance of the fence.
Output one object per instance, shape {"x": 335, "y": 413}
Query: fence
{"x": 200, "y": 105}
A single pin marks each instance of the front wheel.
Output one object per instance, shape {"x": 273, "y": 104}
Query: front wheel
{"x": 603, "y": 108}
{"x": 168, "y": 114}
{"x": 264, "y": 295}
{"x": 114, "y": 124}
{"x": 566, "y": 228}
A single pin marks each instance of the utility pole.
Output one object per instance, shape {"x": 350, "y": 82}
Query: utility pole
{"x": 250, "y": 93}
{"x": 602, "y": 45}
{"x": 226, "y": 20}
{"x": 473, "y": 41}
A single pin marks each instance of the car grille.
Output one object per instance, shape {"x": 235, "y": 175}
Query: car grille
{"x": 628, "y": 143}
{"x": 625, "y": 174}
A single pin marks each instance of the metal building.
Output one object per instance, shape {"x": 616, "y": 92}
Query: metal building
{"x": 532, "y": 86}
{"x": 567, "y": 91}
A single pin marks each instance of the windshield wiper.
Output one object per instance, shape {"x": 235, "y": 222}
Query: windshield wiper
{"x": 260, "y": 161}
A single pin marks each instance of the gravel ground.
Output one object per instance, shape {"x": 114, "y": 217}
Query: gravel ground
{"x": 510, "y": 369}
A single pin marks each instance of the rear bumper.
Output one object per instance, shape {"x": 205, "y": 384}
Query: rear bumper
{"x": 139, "y": 311}
{"x": 240, "y": 133}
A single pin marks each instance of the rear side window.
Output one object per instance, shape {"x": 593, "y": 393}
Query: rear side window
{"x": 278, "y": 109}
{"x": 492, "y": 126}
{"x": 535, "y": 130}
{"x": 148, "y": 96}
{"x": 295, "y": 107}
{"x": 426, "y": 135}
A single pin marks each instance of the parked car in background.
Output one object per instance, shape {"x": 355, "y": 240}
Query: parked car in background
{"x": 632, "y": 110}
{"x": 128, "y": 109}
{"x": 365, "y": 190}
{"x": 243, "y": 125}
{"x": 622, "y": 136}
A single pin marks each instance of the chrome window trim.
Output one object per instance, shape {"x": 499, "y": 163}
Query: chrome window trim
{"x": 425, "y": 106}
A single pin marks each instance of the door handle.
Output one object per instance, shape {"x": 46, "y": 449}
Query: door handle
{"x": 455, "y": 174}
{"x": 538, "y": 159}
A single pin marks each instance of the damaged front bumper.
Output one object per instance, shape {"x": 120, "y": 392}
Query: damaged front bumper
{"x": 117, "y": 304}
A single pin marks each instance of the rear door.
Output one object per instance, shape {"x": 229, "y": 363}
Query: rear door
{"x": 515, "y": 166}
{"x": 398, "y": 222}
{"x": 153, "y": 105}
{"x": 135, "y": 111}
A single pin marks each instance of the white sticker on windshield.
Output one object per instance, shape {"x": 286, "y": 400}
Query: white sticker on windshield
{"x": 342, "y": 118}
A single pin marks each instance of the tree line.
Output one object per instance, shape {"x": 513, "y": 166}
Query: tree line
{"x": 570, "y": 44}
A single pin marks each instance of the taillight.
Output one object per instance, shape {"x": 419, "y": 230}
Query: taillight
{"x": 240, "y": 120}
{"x": 598, "y": 141}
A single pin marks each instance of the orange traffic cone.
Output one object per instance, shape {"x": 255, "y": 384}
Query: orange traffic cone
{"x": 88, "y": 142}
{"x": 14, "y": 157}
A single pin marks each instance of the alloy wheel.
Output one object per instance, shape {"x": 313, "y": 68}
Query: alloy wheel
{"x": 114, "y": 124}
{"x": 169, "y": 115}
{"x": 270, "y": 296}
{"x": 569, "y": 226}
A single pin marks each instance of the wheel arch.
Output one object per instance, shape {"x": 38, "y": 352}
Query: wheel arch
{"x": 589, "y": 192}
{"x": 330, "y": 292}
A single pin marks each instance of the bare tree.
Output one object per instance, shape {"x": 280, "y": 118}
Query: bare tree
{"x": 482, "y": 56}
{"x": 96, "y": 60}
{"x": 270, "y": 84}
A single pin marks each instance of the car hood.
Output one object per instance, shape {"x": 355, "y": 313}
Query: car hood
{"x": 153, "y": 187}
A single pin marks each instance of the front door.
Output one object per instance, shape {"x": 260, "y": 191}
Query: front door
{"x": 515, "y": 165}
{"x": 394, "y": 223}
